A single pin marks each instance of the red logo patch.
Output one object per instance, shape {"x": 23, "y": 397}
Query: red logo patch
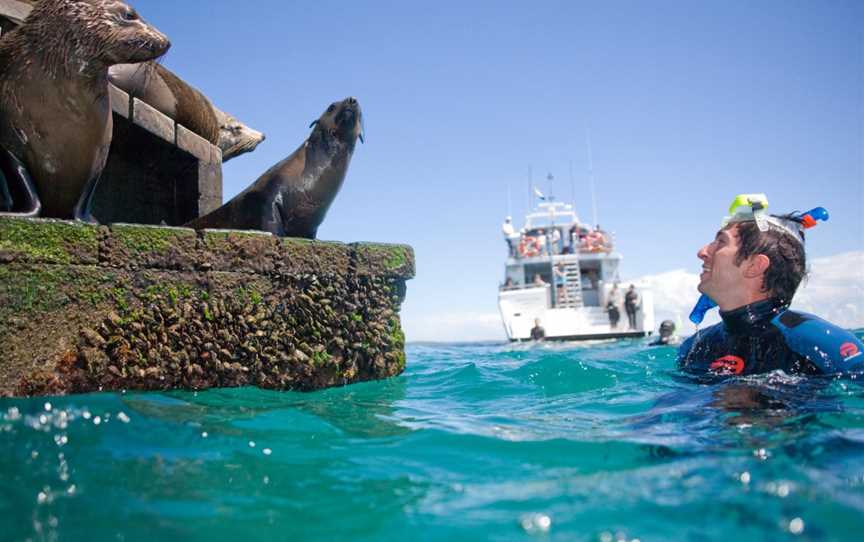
{"x": 848, "y": 350}
{"x": 728, "y": 365}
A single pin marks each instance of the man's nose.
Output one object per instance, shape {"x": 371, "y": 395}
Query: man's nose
{"x": 703, "y": 252}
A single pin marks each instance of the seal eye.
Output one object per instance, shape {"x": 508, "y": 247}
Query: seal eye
{"x": 129, "y": 15}
{"x": 331, "y": 108}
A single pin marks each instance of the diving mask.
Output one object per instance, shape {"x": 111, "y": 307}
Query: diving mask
{"x": 754, "y": 208}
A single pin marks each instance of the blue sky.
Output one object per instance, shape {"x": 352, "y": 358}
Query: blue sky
{"x": 688, "y": 103}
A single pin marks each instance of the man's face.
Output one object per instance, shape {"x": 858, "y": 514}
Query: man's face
{"x": 721, "y": 277}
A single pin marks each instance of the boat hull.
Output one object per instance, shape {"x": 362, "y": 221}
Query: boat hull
{"x": 520, "y": 309}
{"x": 591, "y": 337}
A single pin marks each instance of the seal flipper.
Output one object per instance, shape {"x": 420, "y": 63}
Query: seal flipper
{"x": 5, "y": 196}
{"x": 283, "y": 215}
{"x": 22, "y": 187}
{"x": 290, "y": 226}
{"x": 82, "y": 208}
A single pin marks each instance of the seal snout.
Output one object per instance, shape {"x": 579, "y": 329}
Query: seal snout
{"x": 349, "y": 117}
{"x": 160, "y": 43}
{"x": 153, "y": 41}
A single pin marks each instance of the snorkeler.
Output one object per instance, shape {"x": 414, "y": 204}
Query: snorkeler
{"x": 667, "y": 334}
{"x": 537, "y": 332}
{"x": 751, "y": 270}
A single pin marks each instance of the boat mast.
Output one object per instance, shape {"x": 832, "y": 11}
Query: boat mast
{"x": 591, "y": 176}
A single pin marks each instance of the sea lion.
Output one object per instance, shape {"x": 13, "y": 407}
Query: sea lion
{"x": 55, "y": 114}
{"x": 157, "y": 86}
{"x": 291, "y": 198}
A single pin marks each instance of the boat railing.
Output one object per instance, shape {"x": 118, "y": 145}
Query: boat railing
{"x": 509, "y": 287}
{"x": 528, "y": 245}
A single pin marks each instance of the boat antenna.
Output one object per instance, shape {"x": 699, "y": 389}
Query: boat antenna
{"x": 572, "y": 186}
{"x": 591, "y": 176}
{"x": 530, "y": 190}
{"x": 508, "y": 201}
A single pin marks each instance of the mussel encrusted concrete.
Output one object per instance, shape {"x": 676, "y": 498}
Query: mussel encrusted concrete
{"x": 122, "y": 307}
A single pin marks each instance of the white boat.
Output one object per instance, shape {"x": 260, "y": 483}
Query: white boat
{"x": 571, "y": 303}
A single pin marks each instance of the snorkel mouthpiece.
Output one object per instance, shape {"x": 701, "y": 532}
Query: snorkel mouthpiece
{"x": 809, "y": 219}
{"x": 704, "y": 305}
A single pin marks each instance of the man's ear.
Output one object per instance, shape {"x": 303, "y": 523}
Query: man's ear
{"x": 756, "y": 265}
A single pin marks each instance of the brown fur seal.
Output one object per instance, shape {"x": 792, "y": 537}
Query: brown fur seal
{"x": 55, "y": 114}
{"x": 157, "y": 86}
{"x": 292, "y": 197}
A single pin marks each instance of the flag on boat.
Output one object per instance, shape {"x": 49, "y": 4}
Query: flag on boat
{"x": 538, "y": 193}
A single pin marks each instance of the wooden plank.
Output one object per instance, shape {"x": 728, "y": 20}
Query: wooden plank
{"x": 14, "y": 10}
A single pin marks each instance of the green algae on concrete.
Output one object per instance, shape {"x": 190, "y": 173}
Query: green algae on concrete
{"x": 140, "y": 238}
{"x": 307, "y": 255}
{"x": 375, "y": 258}
{"x": 48, "y": 241}
{"x": 155, "y": 247}
{"x": 236, "y": 250}
{"x": 29, "y": 290}
{"x": 84, "y": 308}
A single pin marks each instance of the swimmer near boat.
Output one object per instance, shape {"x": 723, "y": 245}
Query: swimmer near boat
{"x": 751, "y": 271}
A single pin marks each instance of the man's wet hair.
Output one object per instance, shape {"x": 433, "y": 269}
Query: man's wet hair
{"x": 788, "y": 260}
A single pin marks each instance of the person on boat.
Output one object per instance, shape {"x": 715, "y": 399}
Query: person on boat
{"x": 538, "y": 280}
{"x": 614, "y": 313}
{"x": 541, "y": 241}
{"x": 631, "y": 305}
{"x": 613, "y": 302}
{"x": 537, "y": 332}
{"x": 555, "y": 241}
{"x": 560, "y": 276}
{"x": 667, "y": 334}
{"x": 510, "y": 235}
{"x": 751, "y": 270}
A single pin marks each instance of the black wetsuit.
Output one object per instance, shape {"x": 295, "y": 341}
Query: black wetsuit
{"x": 667, "y": 340}
{"x": 766, "y": 336}
{"x": 538, "y": 333}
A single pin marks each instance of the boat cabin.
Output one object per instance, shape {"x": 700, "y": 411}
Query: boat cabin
{"x": 555, "y": 248}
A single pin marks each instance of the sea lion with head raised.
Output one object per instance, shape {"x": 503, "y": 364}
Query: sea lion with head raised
{"x": 55, "y": 114}
{"x": 157, "y": 86}
{"x": 292, "y": 197}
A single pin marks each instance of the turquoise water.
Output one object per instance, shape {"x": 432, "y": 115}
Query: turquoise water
{"x": 473, "y": 442}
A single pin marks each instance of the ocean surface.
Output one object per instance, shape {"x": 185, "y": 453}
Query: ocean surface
{"x": 600, "y": 442}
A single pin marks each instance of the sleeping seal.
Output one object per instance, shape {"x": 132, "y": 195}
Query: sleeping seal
{"x": 157, "y": 86}
{"x": 55, "y": 114}
{"x": 292, "y": 197}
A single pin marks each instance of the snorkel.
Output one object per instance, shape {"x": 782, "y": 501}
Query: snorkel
{"x": 754, "y": 208}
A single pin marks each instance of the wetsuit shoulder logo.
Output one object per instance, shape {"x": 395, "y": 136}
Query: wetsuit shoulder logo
{"x": 849, "y": 350}
{"x": 727, "y": 365}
